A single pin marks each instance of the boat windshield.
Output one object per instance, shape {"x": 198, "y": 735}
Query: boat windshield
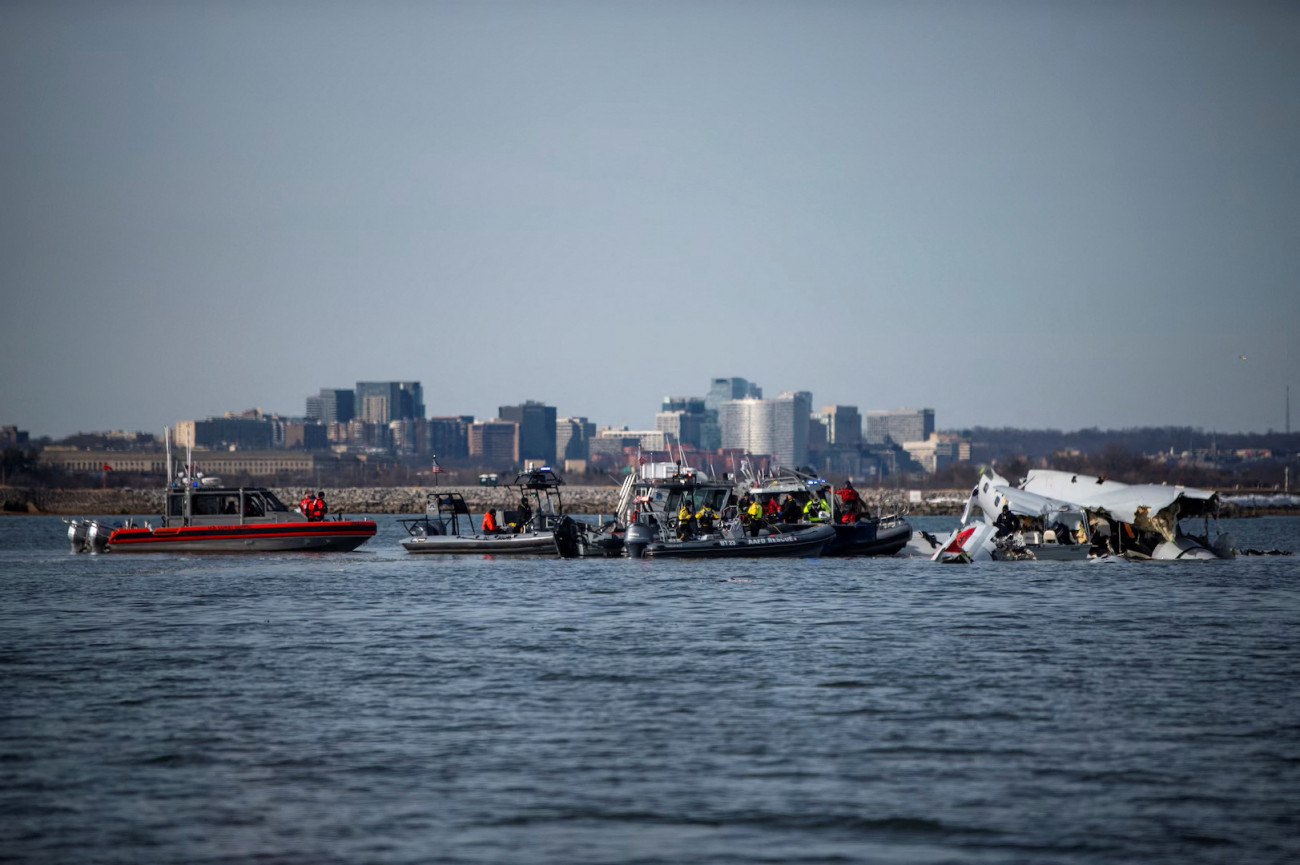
{"x": 714, "y": 497}
{"x": 272, "y": 503}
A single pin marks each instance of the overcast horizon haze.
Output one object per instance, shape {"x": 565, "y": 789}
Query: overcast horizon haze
{"x": 1040, "y": 215}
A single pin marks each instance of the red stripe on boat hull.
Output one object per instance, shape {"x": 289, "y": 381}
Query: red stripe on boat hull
{"x": 254, "y": 538}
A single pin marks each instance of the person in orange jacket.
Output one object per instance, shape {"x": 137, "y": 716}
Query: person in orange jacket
{"x": 317, "y": 509}
{"x": 490, "y": 523}
{"x": 852, "y": 502}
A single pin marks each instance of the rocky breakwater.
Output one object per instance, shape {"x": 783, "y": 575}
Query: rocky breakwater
{"x": 346, "y": 500}
{"x": 27, "y": 500}
{"x": 413, "y": 500}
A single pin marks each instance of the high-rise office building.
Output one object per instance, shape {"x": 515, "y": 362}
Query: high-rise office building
{"x": 305, "y": 436}
{"x": 572, "y": 438}
{"x": 385, "y": 401}
{"x": 720, "y": 391}
{"x": 683, "y": 419}
{"x": 494, "y": 443}
{"x": 818, "y": 434}
{"x": 776, "y": 427}
{"x": 233, "y": 433}
{"x": 723, "y": 389}
{"x": 448, "y": 436}
{"x": 332, "y": 405}
{"x": 536, "y": 429}
{"x": 611, "y": 443}
{"x": 843, "y": 425}
{"x": 899, "y": 425}
{"x": 790, "y": 427}
{"x": 746, "y": 424}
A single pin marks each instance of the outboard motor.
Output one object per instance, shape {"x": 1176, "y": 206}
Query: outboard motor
{"x": 77, "y": 536}
{"x": 636, "y": 539}
{"x": 97, "y": 537}
{"x": 566, "y": 538}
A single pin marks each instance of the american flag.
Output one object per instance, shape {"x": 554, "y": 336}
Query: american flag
{"x": 437, "y": 469}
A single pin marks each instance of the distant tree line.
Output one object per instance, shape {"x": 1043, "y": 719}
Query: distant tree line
{"x": 1127, "y": 455}
{"x": 988, "y": 442}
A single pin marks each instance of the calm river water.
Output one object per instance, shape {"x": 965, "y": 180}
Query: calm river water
{"x": 383, "y": 707}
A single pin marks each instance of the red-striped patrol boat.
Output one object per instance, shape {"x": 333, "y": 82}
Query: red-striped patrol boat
{"x": 201, "y": 516}
{"x": 201, "y": 519}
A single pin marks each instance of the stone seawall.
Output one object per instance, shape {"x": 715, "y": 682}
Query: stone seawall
{"x": 367, "y": 500}
{"x": 354, "y": 500}
{"x": 411, "y": 500}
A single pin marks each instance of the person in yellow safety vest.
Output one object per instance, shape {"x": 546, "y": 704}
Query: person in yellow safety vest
{"x": 814, "y": 510}
{"x": 755, "y": 518}
{"x": 705, "y": 517}
{"x": 684, "y": 521}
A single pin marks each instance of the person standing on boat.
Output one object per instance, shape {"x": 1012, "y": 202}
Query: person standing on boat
{"x": 684, "y": 521}
{"x": 852, "y": 502}
{"x": 704, "y": 518}
{"x": 772, "y": 506}
{"x": 790, "y": 510}
{"x": 490, "y": 523}
{"x": 755, "y": 513}
{"x": 317, "y": 510}
{"x": 304, "y": 503}
{"x": 525, "y": 512}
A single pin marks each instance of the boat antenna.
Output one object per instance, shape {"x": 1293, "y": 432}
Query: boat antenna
{"x": 681, "y": 451}
{"x": 188, "y": 509}
{"x": 167, "y": 441}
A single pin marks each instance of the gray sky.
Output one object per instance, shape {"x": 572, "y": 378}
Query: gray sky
{"x": 1018, "y": 213}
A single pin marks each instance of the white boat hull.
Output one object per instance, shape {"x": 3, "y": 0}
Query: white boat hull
{"x": 527, "y": 543}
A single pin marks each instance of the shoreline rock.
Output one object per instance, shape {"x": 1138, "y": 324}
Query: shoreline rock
{"x": 588, "y": 500}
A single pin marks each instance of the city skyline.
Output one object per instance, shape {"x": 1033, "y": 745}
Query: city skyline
{"x": 562, "y": 413}
{"x": 1047, "y": 215}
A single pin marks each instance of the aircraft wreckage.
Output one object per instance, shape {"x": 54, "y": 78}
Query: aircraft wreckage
{"x": 1066, "y": 516}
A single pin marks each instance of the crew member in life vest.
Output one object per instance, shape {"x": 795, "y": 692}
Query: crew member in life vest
{"x": 317, "y": 510}
{"x": 684, "y": 521}
{"x": 852, "y": 502}
{"x": 704, "y": 518}
{"x": 755, "y": 513}
{"x": 304, "y": 503}
{"x": 817, "y": 510}
{"x": 771, "y": 506}
{"x": 490, "y": 523}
